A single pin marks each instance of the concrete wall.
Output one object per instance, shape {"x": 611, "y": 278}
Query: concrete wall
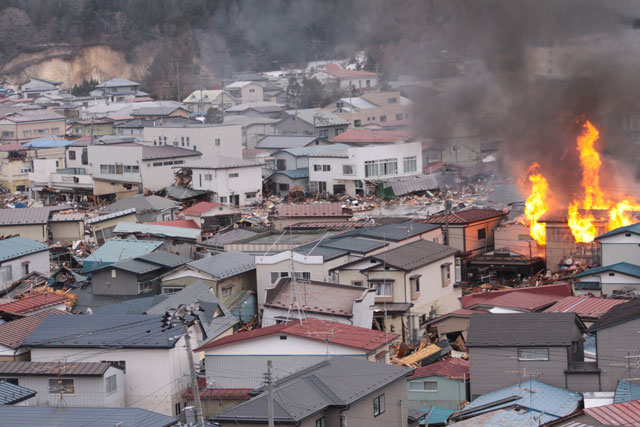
{"x": 450, "y": 393}
{"x": 186, "y": 276}
{"x": 201, "y": 138}
{"x": 249, "y": 180}
{"x": 66, "y": 230}
{"x": 159, "y": 173}
{"x": 89, "y": 391}
{"x": 37, "y": 232}
{"x": 111, "y": 281}
{"x": 614, "y": 344}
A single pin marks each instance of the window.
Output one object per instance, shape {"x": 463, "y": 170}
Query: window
{"x": 338, "y": 131}
{"x": 482, "y": 234}
{"x": 410, "y": 164}
{"x": 356, "y": 283}
{"x": 144, "y": 288}
{"x": 55, "y": 131}
{"x": 26, "y": 169}
{"x": 13, "y": 381}
{"x": 326, "y": 168}
{"x": 119, "y": 169}
{"x": 182, "y": 140}
{"x": 6, "y": 134}
{"x": 428, "y": 386}
{"x": 357, "y": 123}
{"x": 322, "y": 422}
{"x": 348, "y": 169}
{"x": 111, "y": 384}
{"x": 533, "y": 354}
{"x": 324, "y": 133}
{"x": 208, "y": 177}
{"x": 383, "y": 118}
{"x": 25, "y": 268}
{"x": 234, "y": 175}
{"x": 445, "y": 273}
{"x": 415, "y": 285}
{"x": 398, "y": 116}
{"x": 283, "y": 187}
{"x": 223, "y": 199}
{"x": 368, "y": 83}
{"x": 217, "y": 142}
{"x": 177, "y": 408}
{"x": 226, "y": 291}
{"x": 277, "y": 275}
{"x": 250, "y": 195}
{"x": 156, "y": 164}
{"x": 61, "y": 386}
{"x": 167, "y": 163}
{"x": 252, "y": 90}
{"x": 41, "y": 131}
{"x": 343, "y": 417}
{"x": 187, "y": 141}
{"x": 281, "y": 164}
{"x": 302, "y": 275}
{"x": 378, "y": 405}
{"x": 6, "y": 274}
{"x": 383, "y": 288}
{"x": 72, "y": 155}
{"x": 388, "y": 167}
{"x": 317, "y": 168}
{"x": 370, "y": 168}
{"x": 169, "y": 291}
{"x": 178, "y": 162}
{"x": 26, "y": 133}
{"x": 165, "y": 139}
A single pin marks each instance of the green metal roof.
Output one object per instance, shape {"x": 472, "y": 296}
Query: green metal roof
{"x": 15, "y": 247}
{"x": 116, "y": 250}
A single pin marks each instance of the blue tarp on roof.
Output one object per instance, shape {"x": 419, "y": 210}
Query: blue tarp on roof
{"x": 116, "y": 250}
{"x": 626, "y": 392}
{"x": 544, "y": 401}
{"x": 621, "y": 267}
{"x": 435, "y": 415}
{"x": 48, "y": 143}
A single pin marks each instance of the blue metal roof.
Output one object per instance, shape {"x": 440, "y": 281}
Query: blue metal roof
{"x": 15, "y": 247}
{"x": 115, "y": 250}
{"x": 633, "y": 228}
{"x": 48, "y": 143}
{"x": 11, "y": 394}
{"x": 621, "y": 267}
{"x": 436, "y": 415}
{"x": 79, "y": 417}
{"x": 626, "y": 392}
{"x": 546, "y": 401}
{"x": 158, "y": 230}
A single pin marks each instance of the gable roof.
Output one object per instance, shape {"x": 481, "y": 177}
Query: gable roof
{"x": 14, "y": 332}
{"x": 154, "y": 152}
{"x": 370, "y": 136}
{"x": 285, "y": 141}
{"x": 524, "y": 300}
{"x": 557, "y": 289}
{"x": 219, "y": 162}
{"x": 10, "y": 394}
{"x": 115, "y": 250}
{"x": 15, "y": 247}
{"x": 225, "y": 264}
{"x": 618, "y": 414}
{"x": 48, "y": 142}
{"x": 547, "y": 402}
{"x": 181, "y": 223}
{"x": 33, "y": 303}
{"x": 293, "y": 173}
{"x": 339, "y": 381}
{"x": 587, "y": 307}
{"x": 467, "y": 216}
{"x": 200, "y": 208}
{"x": 80, "y": 369}
{"x": 118, "y": 82}
{"x": 133, "y": 306}
{"x": 182, "y": 193}
{"x": 33, "y": 116}
{"x": 21, "y": 216}
{"x": 315, "y": 329}
{"x": 633, "y": 229}
{"x": 285, "y": 210}
{"x": 415, "y": 254}
{"x": 619, "y": 314}
{"x": 453, "y": 368}
{"x": 81, "y": 417}
{"x": 234, "y": 235}
{"x": 120, "y": 331}
{"x": 148, "y": 262}
{"x": 525, "y": 329}
{"x": 157, "y": 230}
{"x": 319, "y": 297}
{"x": 141, "y": 204}
{"x": 620, "y": 267}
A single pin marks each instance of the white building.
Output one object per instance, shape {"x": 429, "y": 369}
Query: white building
{"x": 20, "y": 257}
{"x": 233, "y": 181}
{"x": 346, "y": 172}
{"x": 209, "y": 139}
{"x": 132, "y": 163}
{"x": 246, "y": 91}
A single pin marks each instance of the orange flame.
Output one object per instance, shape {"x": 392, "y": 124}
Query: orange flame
{"x": 590, "y": 162}
{"x": 618, "y": 216}
{"x": 581, "y": 227}
{"x": 536, "y": 206}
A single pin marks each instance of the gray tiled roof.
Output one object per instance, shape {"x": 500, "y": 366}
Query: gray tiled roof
{"x": 131, "y": 331}
{"x": 134, "y": 306}
{"x": 141, "y": 204}
{"x": 162, "y": 110}
{"x": 339, "y": 381}
{"x": 81, "y": 417}
{"x": 106, "y": 217}
{"x": 218, "y": 162}
{"x": 11, "y": 394}
{"x": 392, "y": 232}
{"x": 415, "y": 254}
{"x": 166, "y": 152}
{"x": 182, "y": 193}
{"x": 355, "y": 245}
{"x": 226, "y": 264}
{"x": 80, "y": 369}
{"x": 21, "y": 216}
{"x": 285, "y": 141}
{"x": 522, "y": 329}
{"x": 230, "y": 236}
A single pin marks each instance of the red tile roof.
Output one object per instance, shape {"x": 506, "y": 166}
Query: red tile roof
{"x": 590, "y": 307}
{"x": 12, "y": 147}
{"x": 560, "y": 290}
{"x": 313, "y": 210}
{"x": 315, "y": 329}
{"x": 618, "y": 414}
{"x": 466, "y": 216}
{"x": 220, "y": 393}
{"x": 336, "y": 71}
{"x": 530, "y": 301}
{"x": 13, "y": 333}
{"x": 369, "y": 135}
{"x": 200, "y": 208}
{"x": 33, "y": 303}
{"x": 182, "y": 223}
{"x": 451, "y": 368}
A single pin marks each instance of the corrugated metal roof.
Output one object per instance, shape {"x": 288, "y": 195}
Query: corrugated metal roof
{"x": 21, "y": 216}
{"x": 182, "y": 193}
{"x": 115, "y": 250}
{"x": 16, "y": 415}
{"x": 590, "y": 307}
{"x": 619, "y": 414}
{"x": 219, "y": 162}
{"x": 220, "y": 239}
{"x": 451, "y": 368}
{"x": 15, "y": 247}
{"x": 620, "y": 267}
{"x": 157, "y": 230}
{"x": 54, "y": 368}
{"x": 70, "y": 217}
{"x": 619, "y": 314}
{"x": 182, "y": 223}
{"x": 559, "y": 289}
{"x": 13, "y": 333}
{"x": 328, "y": 150}
{"x": 10, "y": 394}
{"x": 312, "y": 210}
{"x": 436, "y": 415}
{"x": 415, "y": 254}
{"x": 117, "y": 82}
{"x": 530, "y": 301}
{"x": 225, "y": 264}
{"x": 200, "y": 208}
{"x": 122, "y": 331}
{"x": 33, "y": 116}
{"x": 633, "y": 228}
{"x": 141, "y": 204}
{"x": 166, "y": 152}
{"x": 33, "y": 303}
{"x": 525, "y": 329}
{"x": 626, "y": 392}
{"x": 106, "y": 217}
{"x": 48, "y": 143}
{"x": 466, "y": 216}
{"x": 411, "y": 184}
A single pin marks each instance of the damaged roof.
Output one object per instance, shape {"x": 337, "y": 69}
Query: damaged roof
{"x": 285, "y": 210}
{"x": 141, "y": 204}
{"x": 467, "y": 216}
{"x": 588, "y": 307}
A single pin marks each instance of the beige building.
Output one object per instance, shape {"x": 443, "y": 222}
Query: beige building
{"x": 97, "y": 127}
{"x": 15, "y": 165}
{"x": 383, "y": 108}
{"x": 23, "y": 126}
{"x": 199, "y": 101}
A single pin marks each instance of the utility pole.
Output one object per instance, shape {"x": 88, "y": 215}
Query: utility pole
{"x": 180, "y": 315}
{"x": 178, "y": 78}
{"x": 447, "y": 208}
{"x": 270, "y": 394}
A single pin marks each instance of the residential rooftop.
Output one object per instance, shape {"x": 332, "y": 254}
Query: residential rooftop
{"x": 15, "y": 247}
{"x": 127, "y": 228}
{"x": 584, "y": 306}
{"x": 467, "y": 216}
{"x": 141, "y": 204}
{"x": 16, "y": 415}
{"x": 619, "y": 314}
{"x": 454, "y": 368}
{"x": 225, "y": 264}
{"x": 368, "y": 136}
{"x": 310, "y": 210}
{"x": 218, "y": 162}
{"x": 33, "y": 303}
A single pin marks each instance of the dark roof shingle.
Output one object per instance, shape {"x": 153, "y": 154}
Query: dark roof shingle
{"x": 415, "y": 254}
